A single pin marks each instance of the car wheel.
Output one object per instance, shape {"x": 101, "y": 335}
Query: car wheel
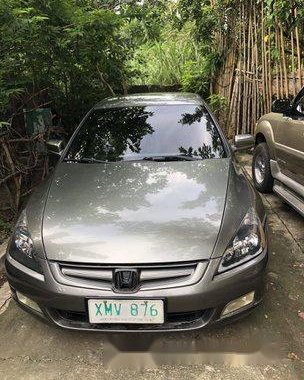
{"x": 261, "y": 173}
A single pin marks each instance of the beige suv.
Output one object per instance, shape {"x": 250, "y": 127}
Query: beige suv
{"x": 278, "y": 160}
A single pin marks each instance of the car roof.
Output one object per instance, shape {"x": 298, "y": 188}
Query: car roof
{"x": 158, "y": 98}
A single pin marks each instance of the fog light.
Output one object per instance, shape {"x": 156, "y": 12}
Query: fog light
{"x": 238, "y": 303}
{"x": 28, "y": 302}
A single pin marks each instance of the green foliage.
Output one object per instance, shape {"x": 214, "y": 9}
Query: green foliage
{"x": 279, "y": 10}
{"x": 78, "y": 50}
{"x": 185, "y": 53}
{"x": 146, "y": 19}
{"x": 176, "y": 59}
{"x": 218, "y": 103}
{"x": 64, "y": 46}
{"x": 5, "y": 226}
{"x": 195, "y": 76}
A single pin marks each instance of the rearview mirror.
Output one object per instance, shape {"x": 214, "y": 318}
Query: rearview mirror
{"x": 243, "y": 142}
{"x": 55, "y": 146}
{"x": 281, "y": 106}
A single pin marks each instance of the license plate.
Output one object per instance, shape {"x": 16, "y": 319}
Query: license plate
{"x": 125, "y": 311}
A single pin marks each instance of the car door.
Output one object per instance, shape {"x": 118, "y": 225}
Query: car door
{"x": 289, "y": 142}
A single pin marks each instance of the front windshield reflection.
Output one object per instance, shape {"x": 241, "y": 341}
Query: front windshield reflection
{"x": 136, "y": 133}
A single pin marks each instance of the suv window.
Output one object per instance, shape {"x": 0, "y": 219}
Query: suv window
{"x": 300, "y": 106}
{"x": 134, "y": 133}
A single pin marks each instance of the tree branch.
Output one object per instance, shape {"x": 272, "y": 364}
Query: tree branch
{"x": 102, "y": 78}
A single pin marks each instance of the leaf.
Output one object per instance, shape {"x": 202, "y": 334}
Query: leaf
{"x": 22, "y": 11}
{"x": 40, "y": 18}
{"x": 4, "y": 124}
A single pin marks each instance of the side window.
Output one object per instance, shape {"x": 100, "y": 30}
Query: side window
{"x": 300, "y": 107}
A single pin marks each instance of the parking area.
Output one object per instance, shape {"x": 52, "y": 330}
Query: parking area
{"x": 266, "y": 345}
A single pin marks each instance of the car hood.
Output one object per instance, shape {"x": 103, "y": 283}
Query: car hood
{"x": 119, "y": 213}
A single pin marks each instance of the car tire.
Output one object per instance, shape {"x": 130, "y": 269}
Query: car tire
{"x": 261, "y": 172}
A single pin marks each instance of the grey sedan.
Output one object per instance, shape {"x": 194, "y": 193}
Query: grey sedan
{"x": 147, "y": 223}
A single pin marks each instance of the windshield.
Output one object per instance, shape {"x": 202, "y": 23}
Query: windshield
{"x": 143, "y": 132}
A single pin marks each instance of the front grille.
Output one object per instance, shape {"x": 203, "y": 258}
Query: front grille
{"x": 151, "y": 277}
{"x": 173, "y": 321}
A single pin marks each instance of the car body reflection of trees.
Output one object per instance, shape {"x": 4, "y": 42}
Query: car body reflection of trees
{"x": 116, "y": 134}
{"x": 108, "y": 133}
{"x": 214, "y": 147}
{"x": 158, "y": 205}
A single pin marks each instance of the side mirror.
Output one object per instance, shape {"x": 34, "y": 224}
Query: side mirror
{"x": 55, "y": 146}
{"x": 243, "y": 142}
{"x": 281, "y": 106}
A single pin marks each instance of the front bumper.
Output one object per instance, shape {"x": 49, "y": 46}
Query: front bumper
{"x": 186, "y": 308}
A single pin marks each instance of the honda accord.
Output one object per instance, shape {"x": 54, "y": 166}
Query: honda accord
{"x": 147, "y": 223}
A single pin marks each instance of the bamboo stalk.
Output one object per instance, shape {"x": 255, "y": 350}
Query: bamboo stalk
{"x": 249, "y": 67}
{"x": 232, "y": 107}
{"x": 277, "y": 70}
{"x": 298, "y": 51}
{"x": 244, "y": 100}
{"x": 293, "y": 64}
{"x": 263, "y": 60}
{"x": 257, "y": 90}
{"x": 284, "y": 62}
{"x": 265, "y": 64}
{"x": 253, "y": 86}
{"x": 281, "y": 90}
{"x": 233, "y": 118}
{"x": 270, "y": 85}
{"x": 251, "y": 77}
{"x": 239, "y": 87}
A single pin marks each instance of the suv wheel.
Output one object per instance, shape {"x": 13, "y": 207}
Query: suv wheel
{"x": 261, "y": 173}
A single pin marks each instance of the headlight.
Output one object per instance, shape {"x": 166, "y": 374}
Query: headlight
{"x": 22, "y": 247}
{"x": 248, "y": 243}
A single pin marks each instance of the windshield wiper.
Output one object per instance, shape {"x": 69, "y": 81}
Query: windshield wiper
{"x": 85, "y": 160}
{"x": 178, "y": 157}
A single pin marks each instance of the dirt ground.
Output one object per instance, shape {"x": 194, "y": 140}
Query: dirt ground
{"x": 269, "y": 344}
